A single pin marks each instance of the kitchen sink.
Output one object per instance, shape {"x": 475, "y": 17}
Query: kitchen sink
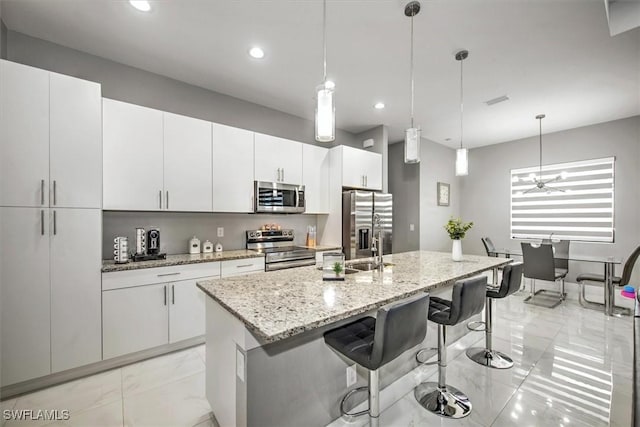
{"x": 366, "y": 266}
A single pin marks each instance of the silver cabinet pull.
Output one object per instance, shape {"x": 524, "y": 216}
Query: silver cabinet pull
{"x": 173, "y": 294}
{"x": 165, "y": 294}
{"x": 279, "y": 179}
{"x": 42, "y": 222}
{"x": 160, "y": 199}
{"x": 168, "y": 274}
{"x": 283, "y": 178}
{"x": 54, "y": 192}
{"x": 243, "y": 265}
{"x": 366, "y": 180}
{"x": 55, "y": 226}
{"x": 42, "y": 192}
{"x": 167, "y": 199}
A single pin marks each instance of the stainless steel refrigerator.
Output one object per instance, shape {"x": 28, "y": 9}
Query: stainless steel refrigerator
{"x": 358, "y": 211}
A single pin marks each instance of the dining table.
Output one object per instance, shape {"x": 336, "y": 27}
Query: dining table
{"x": 609, "y": 264}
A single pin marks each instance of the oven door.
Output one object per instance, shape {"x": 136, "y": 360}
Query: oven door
{"x": 274, "y": 197}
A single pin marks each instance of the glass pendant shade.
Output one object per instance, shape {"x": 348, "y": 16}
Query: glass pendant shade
{"x": 462, "y": 162}
{"x": 412, "y": 145}
{"x": 325, "y": 113}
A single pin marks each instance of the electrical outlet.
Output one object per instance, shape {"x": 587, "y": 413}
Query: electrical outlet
{"x": 352, "y": 375}
{"x": 220, "y": 231}
{"x": 412, "y": 227}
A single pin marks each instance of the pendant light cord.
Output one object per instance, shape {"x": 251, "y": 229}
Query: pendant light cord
{"x": 411, "y": 66}
{"x": 324, "y": 40}
{"x": 540, "y": 149}
{"x": 461, "y": 100}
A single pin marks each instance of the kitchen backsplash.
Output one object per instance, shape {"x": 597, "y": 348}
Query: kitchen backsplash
{"x": 177, "y": 228}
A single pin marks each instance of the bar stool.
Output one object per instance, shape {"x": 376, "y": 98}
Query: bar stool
{"x": 374, "y": 342}
{"x": 487, "y": 356}
{"x": 467, "y": 299}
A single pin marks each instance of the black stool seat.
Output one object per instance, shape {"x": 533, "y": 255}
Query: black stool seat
{"x": 487, "y": 356}
{"x": 374, "y": 342}
{"x": 596, "y": 278}
{"x": 467, "y": 299}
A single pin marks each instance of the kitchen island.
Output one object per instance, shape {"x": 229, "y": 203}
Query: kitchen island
{"x": 267, "y": 363}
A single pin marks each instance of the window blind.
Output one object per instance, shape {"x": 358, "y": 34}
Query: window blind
{"x": 583, "y": 211}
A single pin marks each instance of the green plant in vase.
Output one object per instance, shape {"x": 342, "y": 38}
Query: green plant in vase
{"x": 457, "y": 230}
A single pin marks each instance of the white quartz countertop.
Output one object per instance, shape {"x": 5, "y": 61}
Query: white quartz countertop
{"x": 280, "y": 304}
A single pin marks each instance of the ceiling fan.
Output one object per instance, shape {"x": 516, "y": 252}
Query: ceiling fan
{"x": 540, "y": 185}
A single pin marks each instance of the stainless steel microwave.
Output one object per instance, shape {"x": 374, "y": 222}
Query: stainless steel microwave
{"x": 275, "y": 197}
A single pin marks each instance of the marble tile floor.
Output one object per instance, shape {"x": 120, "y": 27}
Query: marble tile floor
{"x": 573, "y": 368}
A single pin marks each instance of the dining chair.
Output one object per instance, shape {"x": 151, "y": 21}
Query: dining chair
{"x": 599, "y": 278}
{"x": 539, "y": 264}
{"x": 489, "y": 247}
{"x": 560, "y": 253}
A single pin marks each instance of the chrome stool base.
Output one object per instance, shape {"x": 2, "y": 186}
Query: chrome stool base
{"x": 491, "y": 358}
{"x": 447, "y": 402}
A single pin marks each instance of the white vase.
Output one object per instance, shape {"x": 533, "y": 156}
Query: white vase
{"x": 456, "y": 250}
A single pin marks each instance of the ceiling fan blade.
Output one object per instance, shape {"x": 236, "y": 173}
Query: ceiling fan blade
{"x": 552, "y": 179}
{"x": 554, "y": 188}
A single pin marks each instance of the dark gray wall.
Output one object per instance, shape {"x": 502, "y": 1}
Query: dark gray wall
{"x": 404, "y": 184}
{"x": 137, "y": 86}
{"x": 485, "y": 192}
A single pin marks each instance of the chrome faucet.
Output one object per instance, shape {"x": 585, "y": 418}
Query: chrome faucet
{"x": 377, "y": 243}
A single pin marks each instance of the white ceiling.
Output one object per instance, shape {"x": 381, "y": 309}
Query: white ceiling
{"x": 552, "y": 57}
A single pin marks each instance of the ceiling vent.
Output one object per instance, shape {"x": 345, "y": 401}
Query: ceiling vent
{"x": 496, "y": 100}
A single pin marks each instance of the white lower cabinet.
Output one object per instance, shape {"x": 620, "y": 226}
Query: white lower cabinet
{"x": 186, "y": 311}
{"x": 138, "y": 314}
{"x": 134, "y": 319}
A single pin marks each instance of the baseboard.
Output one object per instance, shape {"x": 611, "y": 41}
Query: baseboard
{"x": 29, "y": 386}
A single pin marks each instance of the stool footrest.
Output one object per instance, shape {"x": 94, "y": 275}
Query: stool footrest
{"x": 343, "y": 412}
{"x": 423, "y": 362}
{"x": 477, "y": 326}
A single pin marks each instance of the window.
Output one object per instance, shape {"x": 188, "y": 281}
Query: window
{"x": 581, "y": 211}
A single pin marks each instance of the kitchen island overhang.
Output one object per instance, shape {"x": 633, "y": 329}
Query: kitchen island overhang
{"x": 267, "y": 363}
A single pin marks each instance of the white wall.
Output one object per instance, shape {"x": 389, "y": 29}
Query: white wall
{"x": 437, "y": 165}
{"x": 485, "y": 192}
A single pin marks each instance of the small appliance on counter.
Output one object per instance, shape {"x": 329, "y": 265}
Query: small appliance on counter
{"x": 148, "y": 245}
{"x": 311, "y": 236}
{"x": 207, "y": 247}
{"x": 121, "y": 250}
{"x": 194, "y": 245}
{"x": 279, "y": 249}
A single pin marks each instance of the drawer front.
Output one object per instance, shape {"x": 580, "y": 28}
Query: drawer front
{"x": 242, "y": 266}
{"x": 148, "y": 276}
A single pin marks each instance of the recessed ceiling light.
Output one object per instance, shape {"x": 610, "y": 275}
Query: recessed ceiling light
{"x": 379, "y": 105}
{"x": 141, "y": 5}
{"x": 256, "y": 52}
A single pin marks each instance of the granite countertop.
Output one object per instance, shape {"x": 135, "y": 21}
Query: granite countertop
{"x": 110, "y": 266}
{"x": 280, "y": 304}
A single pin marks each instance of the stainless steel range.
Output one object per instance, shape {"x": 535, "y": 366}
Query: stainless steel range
{"x": 279, "y": 250}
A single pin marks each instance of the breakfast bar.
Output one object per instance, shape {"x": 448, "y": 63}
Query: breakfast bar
{"x": 267, "y": 363}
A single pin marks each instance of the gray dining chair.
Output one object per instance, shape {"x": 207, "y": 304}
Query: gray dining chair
{"x": 560, "y": 253}
{"x": 539, "y": 264}
{"x": 599, "y": 278}
{"x": 489, "y": 247}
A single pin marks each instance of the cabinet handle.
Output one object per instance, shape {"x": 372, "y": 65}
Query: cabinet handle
{"x": 278, "y": 179}
{"x": 366, "y": 180}
{"x": 54, "y": 192}
{"x": 283, "y": 174}
{"x": 173, "y": 294}
{"x": 167, "y": 199}
{"x": 165, "y": 294}
{"x": 42, "y": 192}
{"x": 55, "y": 226}
{"x": 243, "y": 265}
{"x": 160, "y": 197}
{"x": 168, "y": 274}
{"x": 42, "y": 222}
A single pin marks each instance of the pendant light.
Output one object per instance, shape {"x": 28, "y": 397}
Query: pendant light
{"x": 539, "y": 184}
{"x": 412, "y": 134}
{"x": 325, "y": 101}
{"x": 462, "y": 154}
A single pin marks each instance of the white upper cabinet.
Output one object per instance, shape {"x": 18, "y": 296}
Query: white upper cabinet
{"x": 315, "y": 177}
{"x": 277, "y": 159}
{"x": 187, "y": 164}
{"x": 232, "y": 169}
{"x": 24, "y": 135}
{"x": 75, "y": 143}
{"x": 132, "y": 157}
{"x": 361, "y": 169}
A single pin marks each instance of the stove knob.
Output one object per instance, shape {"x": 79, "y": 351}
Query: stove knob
{"x": 258, "y": 234}
{"x": 252, "y": 234}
